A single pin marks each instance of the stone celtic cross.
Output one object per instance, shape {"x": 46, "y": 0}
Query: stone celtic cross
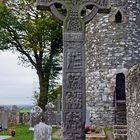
{"x": 74, "y": 14}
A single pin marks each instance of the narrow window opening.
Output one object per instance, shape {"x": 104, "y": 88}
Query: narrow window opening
{"x": 120, "y": 86}
{"x": 118, "y": 17}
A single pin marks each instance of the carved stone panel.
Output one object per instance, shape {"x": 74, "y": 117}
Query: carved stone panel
{"x": 74, "y": 60}
{"x": 74, "y": 87}
{"x": 74, "y": 100}
{"x": 74, "y": 81}
{"x": 75, "y": 136}
{"x": 73, "y": 121}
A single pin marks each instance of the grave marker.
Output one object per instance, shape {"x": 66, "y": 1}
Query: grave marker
{"x": 3, "y": 118}
{"x": 42, "y": 132}
{"x": 36, "y": 116}
{"x": 50, "y": 117}
{"x": 74, "y": 98}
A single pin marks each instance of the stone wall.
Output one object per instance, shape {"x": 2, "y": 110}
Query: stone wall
{"x": 111, "y": 48}
{"x": 133, "y": 103}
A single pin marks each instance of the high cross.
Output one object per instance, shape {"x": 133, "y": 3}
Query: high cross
{"x": 74, "y": 14}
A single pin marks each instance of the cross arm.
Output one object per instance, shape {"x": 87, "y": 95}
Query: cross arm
{"x": 102, "y": 5}
{"x": 51, "y": 5}
{"x": 45, "y": 4}
{"x": 96, "y": 6}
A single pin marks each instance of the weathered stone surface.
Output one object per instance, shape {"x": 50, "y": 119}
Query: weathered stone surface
{"x": 74, "y": 98}
{"x": 13, "y": 115}
{"x": 111, "y": 48}
{"x": 120, "y": 132}
{"x": 36, "y": 116}
{"x": 133, "y": 103}
{"x": 3, "y": 118}
{"x": 42, "y": 132}
{"x": 50, "y": 117}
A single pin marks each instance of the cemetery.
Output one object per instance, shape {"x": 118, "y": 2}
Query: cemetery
{"x": 101, "y": 76}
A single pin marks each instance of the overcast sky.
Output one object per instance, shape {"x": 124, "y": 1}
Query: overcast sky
{"x": 17, "y": 83}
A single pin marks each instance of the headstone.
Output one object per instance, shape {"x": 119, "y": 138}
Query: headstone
{"x": 42, "y": 132}
{"x": 133, "y": 103}
{"x": 26, "y": 118}
{"x": 36, "y": 116}
{"x": 3, "y": 118}
{"x": 51, "y": 117}
{"x": 74, "y": 98}
{"x": 13, "y": 115}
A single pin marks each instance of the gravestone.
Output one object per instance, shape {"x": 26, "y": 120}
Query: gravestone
{"x": 13, "y": 115}
{"x": 133, "y": 103}
{"x": 51, "y": 117}
{"x": 74, "y": 20}
{"x": 36, "y": 116}
{"x": 42, "y": 132}
{"x": 3, "y": 118}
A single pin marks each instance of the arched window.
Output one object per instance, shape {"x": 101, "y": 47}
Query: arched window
{"x": 118, "y": 17}
{"x": 120, "y": 86}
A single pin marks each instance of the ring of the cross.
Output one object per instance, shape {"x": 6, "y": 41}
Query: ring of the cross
{"x": 86, "y": 18}
{"x": 36, "y": 110}
{"x": 92, "y": 13}
{"x": 55, "y": 11}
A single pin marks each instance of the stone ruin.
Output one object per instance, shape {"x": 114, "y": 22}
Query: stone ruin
{"x": 133, "y": 103}
{"x": 112, "y": 48}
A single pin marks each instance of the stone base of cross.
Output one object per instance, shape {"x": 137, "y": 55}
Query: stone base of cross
{"x": 78, "y": 13}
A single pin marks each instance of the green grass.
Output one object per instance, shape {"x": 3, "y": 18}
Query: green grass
{"x": 109, "y": 129}
{"x": 56, "y": 139}
{"x": 55, "y": 128}
{"x": 23, "y": 133}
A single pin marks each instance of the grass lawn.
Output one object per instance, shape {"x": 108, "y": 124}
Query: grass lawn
{"x": 23, "y": 133}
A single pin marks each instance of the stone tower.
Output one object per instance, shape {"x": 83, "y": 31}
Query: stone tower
{"x": 112, "y": 48}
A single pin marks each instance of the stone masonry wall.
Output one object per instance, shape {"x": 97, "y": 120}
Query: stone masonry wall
{"x": 133, "y": 103}
{"x": 111, "y": 48}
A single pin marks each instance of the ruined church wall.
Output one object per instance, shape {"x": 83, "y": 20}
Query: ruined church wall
{"x": 133, "y": 103}
{"x": 111, "y": 48}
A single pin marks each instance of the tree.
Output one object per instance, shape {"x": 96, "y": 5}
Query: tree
{"x": 38, "y": 38}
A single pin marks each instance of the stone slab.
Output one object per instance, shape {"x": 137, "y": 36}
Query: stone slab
{"x": 5, "y": 137}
